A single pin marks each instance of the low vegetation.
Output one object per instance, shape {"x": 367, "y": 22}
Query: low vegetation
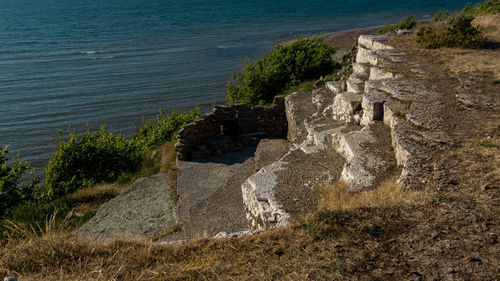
{"x": 87, "y": 159}
{"x": 389, "y": 192}
{"x": 12, "y": 190}
{"x": 407, "y": 23}
{"x": 485, "y": 8}
{"x": 102, "y": 157}
{"x": 457, "y": 30}
{"x": 281, "y": 68}
{"x": 163, "y": 128}
{"x": 77, "y": 174}
{"x": 451, "y": 32}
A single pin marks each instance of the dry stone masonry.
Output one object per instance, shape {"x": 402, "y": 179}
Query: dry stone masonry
{"x": 229, "y": 128}
{"x": 381, "y": 120}
{"x": 358, "y": 136}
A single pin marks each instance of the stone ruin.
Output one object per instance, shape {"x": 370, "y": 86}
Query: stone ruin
{"x": 381, "y": 121}
{"x": 229, "y": 128}
{"x": 358, "y": 131}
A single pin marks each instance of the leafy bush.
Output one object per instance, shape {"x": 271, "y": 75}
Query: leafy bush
{"x": 90, "y": 158}
{"x": 441, "y": 16}
{"x": 456, "y": 31}
{"x": 408, "y": 22}
{"x": 280, "y": 69}
{"x": 481, "y": 9}
{"x": 12, "y": 191}
{"x": 97, "y": 157}
{"x": 163, "y": 128}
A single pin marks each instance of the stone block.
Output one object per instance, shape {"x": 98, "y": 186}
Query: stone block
{"x": 356, "y": 83}
{"x": 361, "y": 68}
{"x": 373, "y": 106}
{"x": 367, "y": 56}
{"x": 345, "y": 105}
{"x": 377, "y": 73}
{"x": 334, "y": 86}
{"x": 373, "y": 42}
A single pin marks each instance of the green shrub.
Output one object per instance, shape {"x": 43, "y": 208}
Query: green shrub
{"x": 280, "y": 69}
{"x": 87, "y": 159}
{"x": 408, "y": 22}
{"x": 481, "y": 9}
{"x": 452, "y": 32}
{"x": 441, "y": 16}
{"x": 163, "y": 128}
{"x": 12, "y": 191}
{"x": 99, "y": 157}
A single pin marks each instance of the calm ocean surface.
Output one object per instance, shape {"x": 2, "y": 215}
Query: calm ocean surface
{"x": 114, "y": 61}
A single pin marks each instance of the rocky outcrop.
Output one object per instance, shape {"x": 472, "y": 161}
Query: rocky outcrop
{"x": 209, "y": 194}
{"x": 285, "y": 189}
{"x": 398, "y": 117}
{"x": 368, "y": 154}
{"x": 145, "y": 209}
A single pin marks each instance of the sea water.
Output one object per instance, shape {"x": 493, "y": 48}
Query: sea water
{"x": 115, "y": 62}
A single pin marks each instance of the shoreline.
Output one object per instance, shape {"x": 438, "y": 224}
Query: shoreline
{"x": 345, "y": 40}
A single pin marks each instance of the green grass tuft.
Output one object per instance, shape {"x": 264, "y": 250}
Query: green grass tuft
{"x": 408, "y": 22}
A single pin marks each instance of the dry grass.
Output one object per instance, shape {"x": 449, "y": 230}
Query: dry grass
{"x": 388, "y": 193}
{"x": 290, "y": 253}
{"x": 490, "y": 25}
{"x": 476, "y": 61}
{"x": 95, "y": 192}
{"x": 471, "y": 62}
{"x": 164, "y": 157}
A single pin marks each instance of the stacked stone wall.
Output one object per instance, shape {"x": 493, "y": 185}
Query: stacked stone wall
{"x": 230, "y": 128}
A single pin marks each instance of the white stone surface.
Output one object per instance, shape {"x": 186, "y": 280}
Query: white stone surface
{"x": 361, "y": 68}
{"x": 356, "y": 83}
{"x": 263, "y": 211}
{"x": 371, "y": 100}
{"x": 373, "y": 42}
{"x": 366, "y": 56}
{"x": 333, "y": 86}
{"x": 377, "y": 73}
{"x": 363, "y": 166}
{"x": 345, "y": 105}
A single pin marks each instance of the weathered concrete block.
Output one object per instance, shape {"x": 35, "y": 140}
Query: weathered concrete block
{"x": 262, "y": 209}
{"x": 127, "y": 215}
{"x": 298, "y": 108}
{"x": 368, "y": 154}
{"x": 322, "y": 98}
{"x": 269, "y": 151}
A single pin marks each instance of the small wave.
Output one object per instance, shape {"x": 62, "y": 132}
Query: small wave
{"x": 104, "y": 58}
{"x": 229, "y": 46}
{"x": 97, "y": 52}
